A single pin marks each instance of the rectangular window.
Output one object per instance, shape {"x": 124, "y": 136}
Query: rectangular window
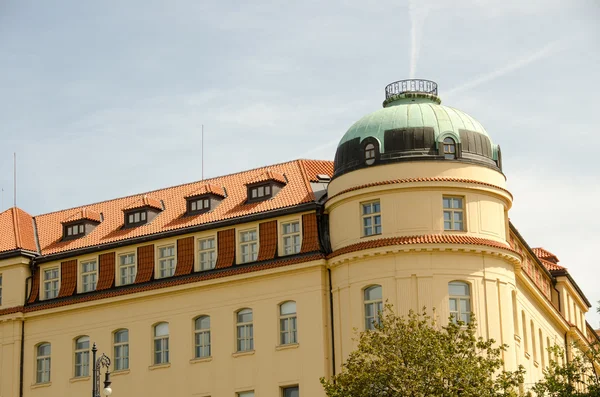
{"x": 249, "y": 246}
{"x": 260, "y": 191}
{"x": 136, "y": 217}
{"x": 291, "y": 391}
{"x": 51, "y": 283}
{"x": 161, "y": 343}
{"x": 166, "y": 261}
{"x": 207, "y": 253}
{"x": 89, "y": 275}
{"x": 82, "y": 357}
{"x": 245, "y": 331}
{"x": 246, "y": 394}
{"x": 371, "y": 218}
{"x": 121, "y": 347}
{"x": 453, "y": 213}
{"x": 200, "y": 204}
{"x": 127, "y": 269}
{"x": 291, "y": 238}
{"x": 43, "y": 363}
{"x": 75, "y": 230}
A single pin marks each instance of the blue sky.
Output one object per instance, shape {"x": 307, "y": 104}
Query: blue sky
{"x": 106, "y": 99}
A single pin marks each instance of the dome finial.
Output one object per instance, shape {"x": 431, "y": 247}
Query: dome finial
{"x": 410, "y": 90}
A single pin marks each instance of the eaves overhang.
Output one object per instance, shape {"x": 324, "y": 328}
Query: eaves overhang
{"x": 565, "y": 273}
{"x": 18, "y": 252}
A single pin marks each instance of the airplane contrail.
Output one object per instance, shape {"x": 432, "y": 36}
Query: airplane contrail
{"x": 417, "y": 13}
{"x": 544, "y": 52}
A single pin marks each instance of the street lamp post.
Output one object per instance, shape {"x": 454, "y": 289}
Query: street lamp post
{"x": 102, "y": 361}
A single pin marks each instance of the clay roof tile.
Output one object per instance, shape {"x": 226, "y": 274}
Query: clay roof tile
{"x": 84, "y": 213}
{"x": 268, "y": 175}
{"x": 16, "y": 231}
{"x": 144, "y": 201}
{"x": 206, "y": 189}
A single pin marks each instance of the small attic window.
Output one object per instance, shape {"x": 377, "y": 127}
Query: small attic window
{"x": 142, "y": 211}
{"x": 204, "y": 199}
{"x": 80, "y": 223}
{"x": 370, "y": 154}
{"x": 200, "y": 204}
{"x": 136, "y": 217}
{"x": 74, "y": 230}
{"x": 260, "y": 191}
{"x": 265, "y": 186}
{"x": 449, "y": 148}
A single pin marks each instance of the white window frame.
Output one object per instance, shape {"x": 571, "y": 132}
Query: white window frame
{"x": 375, "y": 305}
{"x": 159, "y": 259}
{"x": 120, "y": 351}
{"x": 288, "y": 325}
{"x": 452, "y": 211}
{"x": 284, "y": 247}
{"x": 43, "y": 283}
{"x": 372, "y": 216}
{"x": 370, "y": 155}
{"x": 245, "y": 342}
{"x": 40, "y": 368}
{"x": 164, "y": 345}
{"x": 241, "y": 245}
{"x": 457, "y": 314}
{"x": 82, "y": 285}
{"x": 204, "y": 335}
{"x": 118, "y": 279}
{"x": 200, "y": 252}
{"x": 85, "y": 358}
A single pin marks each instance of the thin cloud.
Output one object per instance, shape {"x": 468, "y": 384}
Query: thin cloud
{"x": 417, "y": 13}
{"x": 517, "y": 64}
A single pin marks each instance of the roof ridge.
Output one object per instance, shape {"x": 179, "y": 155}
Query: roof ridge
{"x": 16, "y": 227}
{"x": 172, "y": 187}
{"x": 306, "y": 179}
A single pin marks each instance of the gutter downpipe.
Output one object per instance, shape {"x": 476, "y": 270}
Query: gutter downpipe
{"x": 331, "y": 320}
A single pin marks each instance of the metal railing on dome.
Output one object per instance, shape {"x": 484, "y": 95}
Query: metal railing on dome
{"x": 411, "y": 85}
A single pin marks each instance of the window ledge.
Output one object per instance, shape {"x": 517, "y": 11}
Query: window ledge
{"x": 40, "y": 385}
{"x": 79, "y": 379}
{"x": 120, "y": 372}
{"x": 527, "y": 355}
{"x": 371, "y": 235}
{"x": 517, "y": 338}
{"x": 159, "y": 366}
{"x": 244, "y": 353}
{"x": 287, "y": 346}
{"x": 535, "y": 363}
{"x": 201, "y": 360}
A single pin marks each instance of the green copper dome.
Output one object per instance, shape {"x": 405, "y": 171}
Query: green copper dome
{"x": 414, "y": 125}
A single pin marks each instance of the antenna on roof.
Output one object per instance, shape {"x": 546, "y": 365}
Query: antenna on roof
{"x": 2, "y": 200}
{"x": 202, "y": 152}
{"x": 15, "y": 179}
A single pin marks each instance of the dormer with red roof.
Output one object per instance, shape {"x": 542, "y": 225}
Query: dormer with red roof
{"x": 204, "y": 199}
{"x": 141, "y": 211}
{"x": 265, "y": 186}
{"x": 80, "y": 224}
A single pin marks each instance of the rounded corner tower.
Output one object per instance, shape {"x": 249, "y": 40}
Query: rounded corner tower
{"x": 417, "y": 206}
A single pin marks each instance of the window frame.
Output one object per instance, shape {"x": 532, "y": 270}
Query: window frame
{"x": 372, "y": 216}
{"x": 205, "y": 331}
{"x": 80, "y": 225}
{"x": 81, "y": 286}
{"x": 199, "y": 252}
{"x": 205, "y": 199}
{"x": 468, "y": 298}
{"x": 85, "y": 354}
{"x": 164, "y": 344}
{"x": 157, "y": 270}
{"x": 284, "y": 388}
{"x": 143, "y": 213}
{"x": 118, "y": 281}
{"x": 245, "y": 393}
{"x": 43, "y": 282}
{"x": 255, "y": 188}
{"x": 450, "y": 154}
{"x": 248, "y": 325}
{"x": 462, "y": 210}
{"x": 240, "y": 244}
{"x": 288, "y": 318}
{"x": 38, "y": 359}
{"x": 123, "y": 346}
{"x": 377, "y": 303}
{"x": 0, "y": 289}
{"x": 283, "y": 235}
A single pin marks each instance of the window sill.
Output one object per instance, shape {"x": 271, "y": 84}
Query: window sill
{"x": 244, "y": 353}
{"x": 371, "y": 235}
{"x": 535, "y": 363}
{"x": 201, "y": 360}
{"x": 287, "y": 346}
{"x": 120, "y": 372}
{"x": 79, "y": 379}
{"x": 159, "y": 366}
{"x": 517, "y": 338}
{"x": 527, "y": 355}
{"x": 40, "y": 385}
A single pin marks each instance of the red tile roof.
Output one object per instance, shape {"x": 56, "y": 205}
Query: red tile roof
{"x": 206, "y": 189}
{"x": 548, "y": 259}
{"x": 145, "y": 201}
{"x": 16, "y": 231}
{"x": 268, "y": 175}
{"x": 84, "y": 213}
{"x": 297, "y": 191}
{"x": 423, "y": 239}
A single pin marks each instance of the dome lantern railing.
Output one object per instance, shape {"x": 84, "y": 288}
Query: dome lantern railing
{"x": 411, "y": 85}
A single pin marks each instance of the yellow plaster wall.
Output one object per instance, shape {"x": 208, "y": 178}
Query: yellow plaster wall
{"x": 14, "y": 272}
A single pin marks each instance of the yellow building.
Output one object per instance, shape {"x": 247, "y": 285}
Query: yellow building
{"x": 251, "y": 284}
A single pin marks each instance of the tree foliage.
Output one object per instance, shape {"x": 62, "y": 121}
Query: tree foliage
{"x": 413, "y": 356}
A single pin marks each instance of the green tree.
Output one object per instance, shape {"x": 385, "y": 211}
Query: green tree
{"x": 574, "y": 377}
{"x": 413, "y": 356}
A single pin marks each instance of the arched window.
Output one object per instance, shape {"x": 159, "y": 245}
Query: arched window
{"x": 245, "y": 330}
{"x": 369, "y": 154}
{"x": 533, "y": 346}
{"x": 202, "y": 337}
{"x": 460, "y": 301}
{"x": 287, "y": 323}
{"x": 82, "y": 356}
{"x": 525, "y": 342}
{"x": 161, "y": 343}
{"x": 542, "y": 353}
{"x": 515, "y": 313}
{"x": 373, "y": 301}
{"x": 121, "y": 348}
{"x": 42, "y": 363}
{"x": 449, "y": 148}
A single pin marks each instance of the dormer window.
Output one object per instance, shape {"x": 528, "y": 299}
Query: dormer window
{"x": 265, "y": 186}
{"x": 141, "y": 211}
{"x": 199, "y": 204}
{"x": 204, "y": 199}
{"x": 80, "y": 223}
{"x": 449, "y": 148}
